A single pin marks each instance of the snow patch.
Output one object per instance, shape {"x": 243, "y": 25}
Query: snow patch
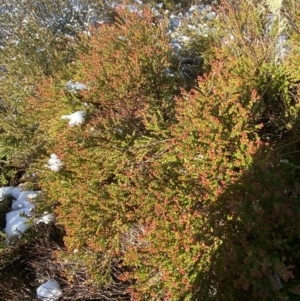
{"x": 54, "y": 163}
{"x": 17, "y": 222}
{"x": 76, "y": 118}
{"x": 49, "y": 291}
{"x": 10, "y": 191}
{"x": 47, "y": 218}
{"x": 24, "y": 200}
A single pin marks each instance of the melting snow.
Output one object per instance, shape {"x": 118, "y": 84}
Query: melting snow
{"x": 75, "y": 118}
{"x": 17, "y": 219}
{"x": 10, "y": 191}
{"x": 49, "y": 291}
{"x": 23, "y": 200}
{"x": 54, "y": 163}
{"x": 48, "y": 218}
{"x": 17, "y": 222}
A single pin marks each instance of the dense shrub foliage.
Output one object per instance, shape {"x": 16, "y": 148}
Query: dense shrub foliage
{"x": 189, "y": 193}
{"x": 129, "y": 104}
{"x": 37, "y": 39}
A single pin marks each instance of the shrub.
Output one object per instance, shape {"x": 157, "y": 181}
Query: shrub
{"x": 129, "y": 108}
{"x": 213, "y": 142}
{"x": 254, "y": 47}
{"x": 135, "y": 162}
{"x": 258, "y": 257}
{"x": 38, "y": 39}
{"x": 182, "y": 193}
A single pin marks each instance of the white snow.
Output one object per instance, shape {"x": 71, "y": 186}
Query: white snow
{"x": 48, "y": 218}
{"x": 76, "y": 118}
{"x": 55, "y": 167}
{"x": 17, "y": 220}
{"x": 23, "y": 200}
{"x": 122, "y": 38}
{"x": 10, "y": 191}
{"x": 17, "y": 224}
{"x": 22, "y": 207}
{"x": 54, "y": 163}
{"x": 53, "y": 159}
{"x": 49, "y": 291}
